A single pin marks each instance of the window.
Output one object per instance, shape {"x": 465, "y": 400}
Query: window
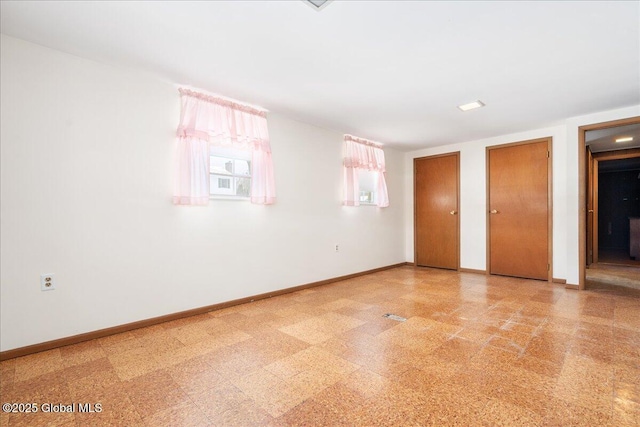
{"x": 229, "y": 172}
{"x": 364, "y": 173}
{"x": 368, "y": 181}
{"x": 204, "y": 169}
{"x": 366, "y": 197}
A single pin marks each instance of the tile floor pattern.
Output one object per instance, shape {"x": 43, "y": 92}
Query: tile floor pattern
{"x": 475, "y": 351}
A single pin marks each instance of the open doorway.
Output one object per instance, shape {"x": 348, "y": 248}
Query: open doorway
{"x": 611, "y": 159}
{"x": 618, "y": 208}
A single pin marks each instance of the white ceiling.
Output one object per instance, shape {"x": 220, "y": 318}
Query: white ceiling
{"x": 391, "y": 71}
{"x": 605, "y": 139}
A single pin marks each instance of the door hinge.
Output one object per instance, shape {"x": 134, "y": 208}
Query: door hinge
{"x": 548, "y": 267}
{"x": 548, "y": 154}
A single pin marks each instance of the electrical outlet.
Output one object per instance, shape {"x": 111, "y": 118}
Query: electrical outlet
{"x": 337, "y": 248}
{"x": 47, "y": 282}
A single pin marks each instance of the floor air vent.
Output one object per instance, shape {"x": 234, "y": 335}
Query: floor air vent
{"x": 394, "y": 317}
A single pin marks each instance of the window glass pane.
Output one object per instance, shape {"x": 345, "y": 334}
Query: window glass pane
{"x": 243, "y": 187}
{"x": 220, "y": 165}
{"x": 366, "y": 197}
{"x": 242, "y": 167}
{"x": 230, "y": 173}
{"x": 220, "y": 185}
{"x": 368, "y": 181}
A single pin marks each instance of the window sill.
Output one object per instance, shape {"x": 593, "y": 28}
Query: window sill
{"x": 230, "y": 198}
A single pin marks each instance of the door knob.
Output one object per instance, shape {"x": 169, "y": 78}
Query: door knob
{"x": 493, "y": 211}
{"x": 453, "y": 212}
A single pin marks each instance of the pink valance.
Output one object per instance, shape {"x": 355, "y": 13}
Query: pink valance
{"x": 362, "y": 154}
{"x": 222, "y": 122}
{"x": 207, "y": 120}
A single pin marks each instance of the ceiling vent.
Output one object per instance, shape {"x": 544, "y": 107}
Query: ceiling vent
{"x": 317, "y": 4}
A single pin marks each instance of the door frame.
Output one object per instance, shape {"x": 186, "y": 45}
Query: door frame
{"x": 593, "y": 178}
{"x": 582, "y": 189}
{"x": 549, "y": 141}
{"x": 591, "y": 202}
{"x": 415, "y": 216}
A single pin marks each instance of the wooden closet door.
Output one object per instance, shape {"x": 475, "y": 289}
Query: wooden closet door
{"x": 519, "y": 210}
{"x": 436, "y": 211}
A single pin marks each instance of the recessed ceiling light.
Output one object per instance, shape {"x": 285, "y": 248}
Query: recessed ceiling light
{"x": 471, "y": 106}
{"x": 625, "y": 139}
{"x": 317, "y": 4}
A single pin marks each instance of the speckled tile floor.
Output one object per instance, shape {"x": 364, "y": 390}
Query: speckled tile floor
{"x": 474, "y": 351}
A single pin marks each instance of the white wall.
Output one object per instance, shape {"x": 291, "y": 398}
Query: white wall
{"x": 473, "y": 206}
{"x": 86, "y": 152}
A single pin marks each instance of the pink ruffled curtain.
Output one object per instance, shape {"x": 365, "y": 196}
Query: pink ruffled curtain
{"x": 206, "y": 120}
{"x": 361, "y": 154}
